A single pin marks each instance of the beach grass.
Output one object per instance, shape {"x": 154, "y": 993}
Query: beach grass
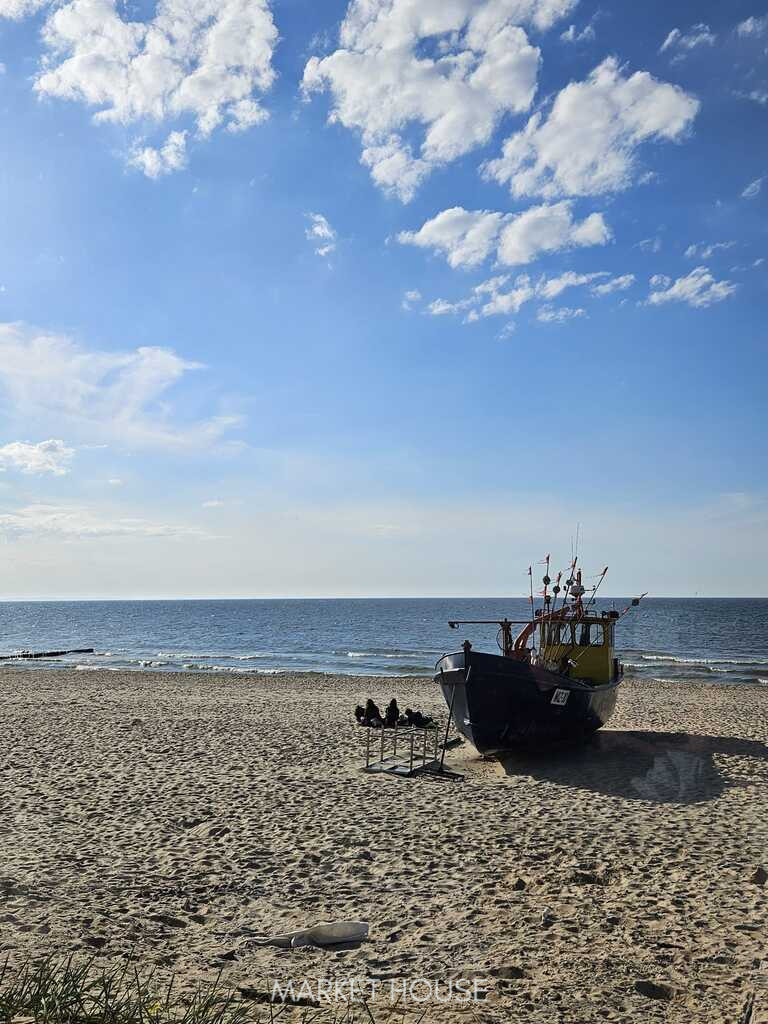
{"x": 70, "y": 991}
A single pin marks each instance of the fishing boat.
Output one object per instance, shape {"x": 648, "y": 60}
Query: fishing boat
{"x": 554, "y": 683}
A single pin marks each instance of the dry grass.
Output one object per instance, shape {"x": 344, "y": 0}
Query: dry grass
{"x": 67, "y": 991}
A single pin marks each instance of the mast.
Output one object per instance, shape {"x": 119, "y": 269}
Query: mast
{"x": 546, "y": 581}
{"x": 533, "y": 616}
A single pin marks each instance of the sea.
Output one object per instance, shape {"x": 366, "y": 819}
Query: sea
{"x": 718, "y": 640}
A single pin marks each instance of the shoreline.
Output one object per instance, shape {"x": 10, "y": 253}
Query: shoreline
{"x": 10, "y": 668}
{"x": 175, "y": 822}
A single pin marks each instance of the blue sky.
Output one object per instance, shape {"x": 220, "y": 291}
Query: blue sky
{"x": 381, "y": 298}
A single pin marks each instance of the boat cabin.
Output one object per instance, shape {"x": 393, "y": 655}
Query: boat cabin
{"x": 582, "y": 648}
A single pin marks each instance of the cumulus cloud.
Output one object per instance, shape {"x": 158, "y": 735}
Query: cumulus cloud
{"x": 51, "y": 456}
{"x": 71, "y": 522}
{"x": 556, "y": 285}
{"x": 451, "y": 70}
{"x": 587, "y": 143}
{"x": 498, "y": 300}
{"x": 171, "y": 156}
{"x": 681, "y": 43}
{"x": 542, "y": 229}
{"x": 99, "y": 394}
{"x": 616, "y": 284}
{"x": 465, "y": 237}
{"x": 321, "y": 235}
{"x": 705, "y": 251}
{"x": 753, "y": 26}
{"x": 753, "y": 189}
{"x": 468, "y": 237}
{"x": 698, "y": 289}
{"x": 410, "y": 298}
{"x": 551, "y": 315}
{"x": 503, "y": 296}
{"x": 496, "y": 296}
{"x": 18, "y": 9}
{"x": 441, "y": 307}
{"x": 208, "y": 62}
{"x": 571, "y": 35}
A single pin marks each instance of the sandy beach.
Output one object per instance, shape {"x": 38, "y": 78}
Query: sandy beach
{"x": 173, "y": 817}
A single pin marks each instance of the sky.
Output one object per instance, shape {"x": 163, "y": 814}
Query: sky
{"x": 382, "y": 297}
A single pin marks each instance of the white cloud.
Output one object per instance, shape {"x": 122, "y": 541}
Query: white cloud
{"x": 758, "y": 95}
{"x": 115, "y": 481}
{"x": 586, "y": 144}
{"x": 214, "y": 503}
{"x": 496, "y": 297}
{"x": 410, "y": 298}
{"x": 18, "y": 9}
{"x": 753, "y": 26}
{"x": 51, "y": 456}
{"x": 684, "y": 42}
{"x": 550, "y": 315}
{"x": 556, "y": 285}
{"x": 505, "y": 303}
{"x": 670, "y": 40}
{"x": 490, "y": 298}
{"x": 468, "y": 237}
{"x": 570, "y": 35}
{"x": 465, "y": 237}
{"x": 73, "y": 521}
{"x": 321, "y": 235}
{"x": 547, "y": 228}
{"x": 650, "y": 244}
{"x": 98, "y": 394}
{"x": 753, "y": 189}
{"x": 207, "y": 62}
{"x": 616, "y": 284}
{"x": 705, "y": 251}
{"x": 451, "y": 69}
{"x": 170, "y": 157}
{"x": 699, "y": 289}
{"x": 441, "y": 307}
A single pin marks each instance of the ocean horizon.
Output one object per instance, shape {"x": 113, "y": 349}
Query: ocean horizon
{"x": 722, "y": 640}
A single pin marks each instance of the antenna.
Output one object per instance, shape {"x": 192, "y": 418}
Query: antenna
{"x": 596, "y": 588}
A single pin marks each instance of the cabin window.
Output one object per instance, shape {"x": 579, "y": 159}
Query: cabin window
{"x": 576, "y": 634}
{"x": 595, "y": 636}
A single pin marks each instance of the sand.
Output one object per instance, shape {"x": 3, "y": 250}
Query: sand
{"x": 171, "y": 817}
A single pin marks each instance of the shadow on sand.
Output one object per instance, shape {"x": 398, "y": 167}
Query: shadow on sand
{"x": 664, "y": 767}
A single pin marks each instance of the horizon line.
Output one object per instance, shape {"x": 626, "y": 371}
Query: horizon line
{"x": 373, "y": 597}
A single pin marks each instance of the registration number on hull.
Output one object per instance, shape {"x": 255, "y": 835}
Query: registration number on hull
{"x": 560, "y": 697}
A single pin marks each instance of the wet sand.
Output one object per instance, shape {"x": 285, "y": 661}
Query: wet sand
{"x": 172, "y": 817}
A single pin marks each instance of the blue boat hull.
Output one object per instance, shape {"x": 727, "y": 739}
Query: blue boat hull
{"x": 501, "y": 704}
